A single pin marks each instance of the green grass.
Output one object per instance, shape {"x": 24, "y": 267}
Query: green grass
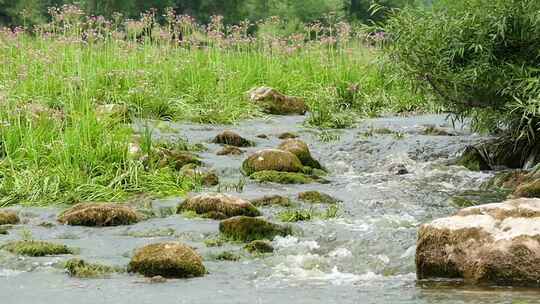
{"x": 71, "y": 153}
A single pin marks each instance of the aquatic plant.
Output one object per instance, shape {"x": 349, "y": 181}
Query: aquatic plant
{"x": 36, "y": 248}
{"x": 82, "y": 269}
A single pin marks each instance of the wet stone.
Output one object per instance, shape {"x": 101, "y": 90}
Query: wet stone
{"x": 271, "y": 160}
{"x": 247, "y": 229}
{"x": 232, "y": 139}
{"x": 230, "y": 150}
{"x": 100, "y": 215}
{"x": 218, "y": 206}
{"x": 169, "y": 260}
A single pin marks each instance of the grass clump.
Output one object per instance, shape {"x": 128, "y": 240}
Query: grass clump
{"x": 301, "y": 215}
{"x": 81, "y": 269}
{"x": 214, "y": 242}
{"x": 36, "y": 248}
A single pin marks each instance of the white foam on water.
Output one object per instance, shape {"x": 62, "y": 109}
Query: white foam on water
{"x": 356, "y": 225}
{"x": 291, "y": 241}
{"x": 340, "y": 253}
{"x": 9, "y": 272}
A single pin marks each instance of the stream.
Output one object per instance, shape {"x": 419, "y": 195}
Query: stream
{"x": 364, "y": 255}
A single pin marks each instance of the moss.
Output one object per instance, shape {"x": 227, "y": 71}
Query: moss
{"x": 272, "y": 200}
{"x": 507, "y": 180}
{"x": 282, "y": 177}
{"x": 301, "y": 150}
{"x": 287, "y": 135}
{"x": 473, "y": 160}
{"x": 230, "y": 150}
{"x": 296, "y": 215}
{"x": 214, "y": 242}
{"x": 227, "y": 256}
{"x": 170, "y": 260}
{"x": 36, "y": 248}
{"x": 316, "y": 197}
{"x": 82, "y": 269}
{"x": 232, "y": 139}
{"x": 206, "y": 178}
{"x": 96, "y": 214}
{"x": 174, "y": 158}
{"x": 271, "y": 159}
{"x": 247, "y": 229}
{"x": 530, "y": 189}
{"x": 8, "y": 218}
{"x": 259, "y": 246}
{"x": 218, "y": 206}
{"x": 479, "y": 197}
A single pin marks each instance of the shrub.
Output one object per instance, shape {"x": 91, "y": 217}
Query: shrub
{"x": 479, "y": 57}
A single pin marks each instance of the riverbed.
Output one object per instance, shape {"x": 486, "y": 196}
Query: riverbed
{"x": 364, "y": 255}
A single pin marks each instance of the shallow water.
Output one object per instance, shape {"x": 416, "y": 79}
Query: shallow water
{"x": 365, "y": 255}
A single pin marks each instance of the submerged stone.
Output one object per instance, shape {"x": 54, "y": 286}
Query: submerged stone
{"x": 230, "y": 150}
{"x": 169, "y": 260}
{"x": 232, "y": 139}
{"x": 316, "y": 197}
{"x": 82, "y": 269}
{"x": 489, "y": 244}
{"x": 271, "y": 159}
{"x": 273, "y": 102}
{"x": 97, "y": 214}
{"x": 218, "y": 206}
{"x": 259, "y": 246}
{"x": 8, "y": 217}
{"x": 269, "y": 200}
{"x": 287, "y": 135}
{"x": 282, "y": 177}
{"x": 247, "y": 229}
{"x": 36, "y": 248}
{"x": 301, "y": 150}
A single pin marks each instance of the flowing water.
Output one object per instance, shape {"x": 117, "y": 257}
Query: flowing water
{"x": 365, "y": 255}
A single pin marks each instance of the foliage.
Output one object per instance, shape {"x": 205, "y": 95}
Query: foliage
{"x": 479, "y": 57}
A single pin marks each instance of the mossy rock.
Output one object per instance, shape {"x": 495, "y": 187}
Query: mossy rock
{"x": 232, "y": 139}
{"x": 222, "y": 205}
{"x": 176, "y": 159}
{"x": 470, "y": 198}
{"x": 270, "y": 200}
{"x": 273, "y": 160}
{"x": 530, "y": 189}
{"x": 259, "y": 246}
{"x": 247, "y": 229}
{"x": 287, "y": 135}
{"x": 97, "y": 214}
{"x": 273, "y": 102}
{"x": 8, "y": 217}
{"x": 230, "y": 150}
{"x": 508, "y": 180}
{"x": 316, "y": 197}
{"x": 169, "y": 260}
{"x": 81, "y": 269}
{"x": 301, "y": 150}
{"x": 207, "y": 178}
{"x": 282, "y": 177}
{"x": 36, "y": 248}
{"x": 473, "y": 160}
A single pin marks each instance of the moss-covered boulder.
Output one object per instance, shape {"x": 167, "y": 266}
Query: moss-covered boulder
{"x": 98, "y": 214}
{"x": 230, "y": 150}
{"x": 259, "y": 246}
{"x": 205, "y": 177}
{"x": 247, "y": 229}
{"x": 273, "y": 102}
{"x": 36, "y": 248}
{"x": 8, "y": 217}
{"x": 81, "y": 269}
{"x": 316, "y": 197}
{"x": 473, "y": 159}
{"x": 271, "y": 160}
{"x": 490, "y": 244}
{"x": 176, "y": 159}
{"x": 232, "y": 139}
{"x": 219, "y": 204}
{"x": 301, "y": 150}
{"x": 169, "y": 260}
{"x": 529, "y": 189}
{"x": 282, "y": 177}
{"x": 272, "y": 200}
